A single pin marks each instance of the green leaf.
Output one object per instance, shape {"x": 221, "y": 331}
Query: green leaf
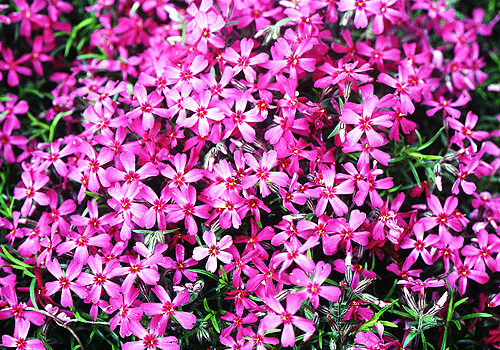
{"x": 12, "y": 259}
{"x": 461, "y": 301}
{"x": 474, "y": 315}
{"x": 183, "y": 35}
{"x": 54, "y": 123}
{"x": 32, "y": 293}
{"x": 206, "y": 273}
{"x": 215, "y": 324}
{"x": 431, "y": 141}
{"x": 409, "y": 338}
{"x": 375, "y": 317}
{"x": 389, "y": 324}
{"x": 457, "y": 324}
{"x": 424, "y": 341}
{"x": 414, "y": 172}
{"x": 335, "y": 131}
{"x": 205, "y": 305}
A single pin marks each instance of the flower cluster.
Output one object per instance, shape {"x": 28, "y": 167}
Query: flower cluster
{"x": 228, "y": 169}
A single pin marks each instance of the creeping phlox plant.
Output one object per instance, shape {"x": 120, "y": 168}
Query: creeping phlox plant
{"x": 246, "y": 175}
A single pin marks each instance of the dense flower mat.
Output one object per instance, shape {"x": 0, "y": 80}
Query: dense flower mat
{"x": 246, "y": 175}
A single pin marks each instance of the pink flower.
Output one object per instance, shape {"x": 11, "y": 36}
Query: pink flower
{"x": 463, "y": 271}
{"x": 362, "y": 10}
{"x": 19, "y": 340}
{"x": 420, "y": 244}
{"x": 288, "y": 318}
{"x": 383, "y": 11}
{"x": 214, "y": 250}
{"x": 144, "y": 269}
{"x": 263, "y": 172}
{"x": 33, "y": 183}
{"x": 443, "y": 216}
{"x": 148, "y": 105}
{"x": 181, "y": 265}
{"x": 150, "y": 340}
{"x": 17, "y": 309}
{"x": 244, "y": 60}
{"x": 239, "y": 119}
{"x": 186, "y": 209}
{"x": 291, "y": 60}
{"x": 364, "y": 124}
{"x": 183, "y": 174}
{"x": 331, "y": 189}
{"x": 100, "y": 278}
{"x": 65, "y": 281}
{"x": 203, "y": 111}
{"x": 295, "y": 253}
{"x": 129, "y": 314}
{"x": 314, "y": 289}
{"x": 402, "y": 86}
{"x": 166, "y": 309}
{"x": 29, "y": 15}
{"x": 345, "y": 233}
{"x": 464, "y": 131}
{"x": 447, "y": 106}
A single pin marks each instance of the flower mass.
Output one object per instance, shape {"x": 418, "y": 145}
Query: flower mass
{"x": 219, "y": 174}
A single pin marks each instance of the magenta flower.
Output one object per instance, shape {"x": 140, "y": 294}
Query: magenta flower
{"x": 100, "y": 278}
{"x": 314, "y": 289}
{"x": 150, "y": 340}
{"x": 124, "y": 201}
{"x": 331, "y": 189}
{"x": 33, "y": 183}
{"x": 103, "y": 96}
{"x": 361, "y": 11}
{"x": 291, "y": 60}
{"x": 288, "y": 318}
{"x": 463, "y": 271}
{"x": 19, "y": 340}
{"x": 186, "y": 209}
{"x": 183, "y": 173}
{"x": 295, "y": 253}
{"x": 203, "y": 111}
{"x": 166, "y": 308}
{"x": 65, "y": 281}
{"x": 186, "y": 74}
{"x": 93, "y": 166}
{"x": 420, "y": 244}
{"x": 148, "y": 105}
{"x": 402, "y": 86}
{"x": 443, "y": 215}
{"x": 364, "y": 124}
{"x": 28, "y": 15}
{"x": 482, "y": 255}
{"x": 81, "y": 243}
{"x": 181, "y": 265}
{"x": 447, "y": 106}
{"x": 239, "y": 119}
{"x": 345, "y": 233}
{"x": 464, "y": 131}
{"x": 214, "y": 250}
{"x": 464, "y": 171}
{"x": 382, "y": 11}
{"x": 259, "y": 339}
{"x": 263, "y": 172}
{"x": 244, "y": 60}
{"x": 371, "y": 340}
